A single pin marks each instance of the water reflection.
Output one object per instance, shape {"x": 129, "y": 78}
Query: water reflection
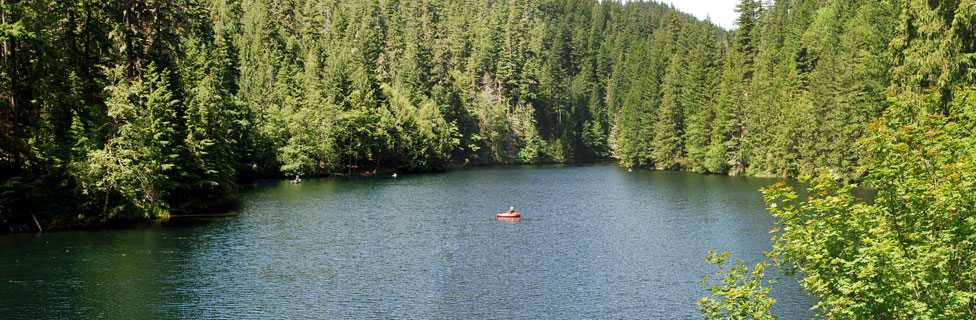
{"x": 594, "y": 242}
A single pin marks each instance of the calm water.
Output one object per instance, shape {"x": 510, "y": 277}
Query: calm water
{"x": 594, "y": 242}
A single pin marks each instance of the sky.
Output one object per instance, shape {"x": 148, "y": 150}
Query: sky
{"x": 722, "y": 12}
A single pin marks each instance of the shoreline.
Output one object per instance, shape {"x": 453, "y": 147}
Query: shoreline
{"x": 230, "y": 203}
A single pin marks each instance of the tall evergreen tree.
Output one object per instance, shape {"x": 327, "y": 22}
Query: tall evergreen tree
{"x": 933, "y": 50}
{"x": 697, "y": 92}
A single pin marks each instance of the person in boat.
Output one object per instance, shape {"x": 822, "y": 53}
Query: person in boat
{"x": 297, "y": 180}
{"x": 511, "y": 210}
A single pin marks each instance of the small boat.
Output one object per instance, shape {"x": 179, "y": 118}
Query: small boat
{"x": 296, "y": 181}
{"x": 508, "y": 215}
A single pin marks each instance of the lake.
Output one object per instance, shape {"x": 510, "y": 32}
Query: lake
{"x": 594, "y": 241}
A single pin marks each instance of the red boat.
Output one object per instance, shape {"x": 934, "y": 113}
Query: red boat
{"x": 509, "y": 215}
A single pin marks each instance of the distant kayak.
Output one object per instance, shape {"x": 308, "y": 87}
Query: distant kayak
{"x": 508, "y": 215}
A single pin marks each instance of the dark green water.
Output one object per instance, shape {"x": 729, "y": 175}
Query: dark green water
{"x": 594, "y": 242}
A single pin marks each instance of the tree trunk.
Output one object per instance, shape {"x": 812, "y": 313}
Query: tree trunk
{"x": 39, "y": 229}
{"x": 129, "y": 53}
{"x": 6, "y": 51}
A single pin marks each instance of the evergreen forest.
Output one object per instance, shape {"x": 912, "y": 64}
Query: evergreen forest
{"x": 118, "y": 111}
{"x": 123, "y": 110}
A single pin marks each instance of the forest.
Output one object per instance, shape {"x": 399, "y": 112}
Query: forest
{"x": 121, "y": 110}
{"x": 114, "y": 111}
{"x": 879, "y": 92}
{"x": 118, "y": 111}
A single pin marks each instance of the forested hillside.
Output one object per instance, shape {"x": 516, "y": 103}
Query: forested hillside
{"x": 120, "y": 110}
{"x": 126, "y": 110}
{"x": 907, "y": 253}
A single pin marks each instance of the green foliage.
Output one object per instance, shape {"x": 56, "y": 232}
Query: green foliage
{"x": 269, "y": 88}
{"x": 698, "y": 94}
{"x": 422, "y": 139}
{"x": 215, "y": 123}
{"x": 742, "y": 294}
{"x": 905, "y": 256}
{"x": 669, "y": 127}
{"x": 128, "y": 177}
{"x": 930, "y": 51}
{"x": 637, "y": 113}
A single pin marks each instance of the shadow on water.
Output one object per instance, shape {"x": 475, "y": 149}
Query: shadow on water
{"x": 594, "y": 241}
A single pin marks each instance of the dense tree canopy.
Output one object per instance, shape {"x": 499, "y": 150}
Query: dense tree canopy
{"x": 907, "y": 253}
{"x": 124, "y": 110}
{"x": 119, "y": 109}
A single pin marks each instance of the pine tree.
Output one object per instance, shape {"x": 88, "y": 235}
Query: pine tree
{"x": 127, "y": 178}
{"x": 717, "y": 154}
{"x": 637, "y": 113}
{"x": 264, "y": 82}
{"x": 933, "y": 50}
{"x": 214, "y": 126}
{"x": 669, "y": 127}
{"x": 739, "y": 72}
{"x": 697, "y": 92}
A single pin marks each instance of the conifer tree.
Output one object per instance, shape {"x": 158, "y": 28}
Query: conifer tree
{"x": 933, "y": 49}
{"x": 697, "y": 92}
{"x": 127, "y": 179}
{"x": 668, "y": 127}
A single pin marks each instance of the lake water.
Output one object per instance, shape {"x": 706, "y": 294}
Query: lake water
{"x": 593, "y": 242}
